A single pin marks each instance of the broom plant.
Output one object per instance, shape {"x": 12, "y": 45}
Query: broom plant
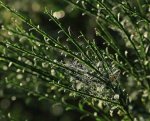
{"x": 110, "y": 74}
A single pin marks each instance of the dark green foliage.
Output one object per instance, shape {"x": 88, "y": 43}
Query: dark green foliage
{"x": 103, "y": 73}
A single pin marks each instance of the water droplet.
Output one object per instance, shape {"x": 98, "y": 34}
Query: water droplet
{"x": 19, "y": 76}
{"x": 23, "y": 70}
{"x": 18, "y": 70}
{"x": 9, "y": 116}
{"x": 95, "y": 114}
{"x": 79, "y": 85}
{"x": 55, "y": 61}
{"x": 136, "y": 60}
{"x": 116, "y": 96}
{"x": 111, "y": 113}
{"x": 100, "y": 104}
{"x": 145, "y": 34}
{"x": 58, "y": 82}
{"x": 83, "y": 14}
{"x": 10, "y": 33}
{"x": 98, "y": 6}
{"x": 21, "y": 84}
{"x": 38, "y": 44}
{"x": 5, "y": 68}
{"x": 46, "y": 95}
{"x": 45, "y": 65}
{"x": 46, "y": 39}
{"x": 47, "y": 48}
{"x": 77, "y": 1}
{"x": 59, "y": 14}
{"x": 7, "y": 45}
{"x": 147, "y": 48}
{"x": 10, "y": 63}
{"x": 118, "y": 16}
{"x": 131, "y": 36}
{"x": 19, "y": 58}
{"x": 13, "y": 98}
{"x": 146, "y": 62}
{"x": 126, "y": 52}
{"x": 53, "y": 73}
{"x": 28, "y": 62}
{"x": 54, "y": 96}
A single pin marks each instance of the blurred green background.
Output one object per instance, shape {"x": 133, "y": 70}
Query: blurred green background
{"x": 16, "y": 104}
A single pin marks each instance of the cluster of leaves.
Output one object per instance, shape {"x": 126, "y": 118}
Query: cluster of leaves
{"x": 111, "y": 73}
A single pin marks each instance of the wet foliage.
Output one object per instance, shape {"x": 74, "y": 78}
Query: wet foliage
{"x": 75, "y": 58}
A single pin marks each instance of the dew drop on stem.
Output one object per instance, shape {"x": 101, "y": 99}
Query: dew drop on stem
{"x": 45, "y": 65}
{"x": 10, "y": 33}
{"x": 21, "y": 84}
{"x": 19, "y": 58}
{"x": 46, "y": 95}
{"x": 5, "y": 68}
{"x": 10, "y": 64}
{"x": 126, "y": 52}
{"x": 77, "y": 1}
